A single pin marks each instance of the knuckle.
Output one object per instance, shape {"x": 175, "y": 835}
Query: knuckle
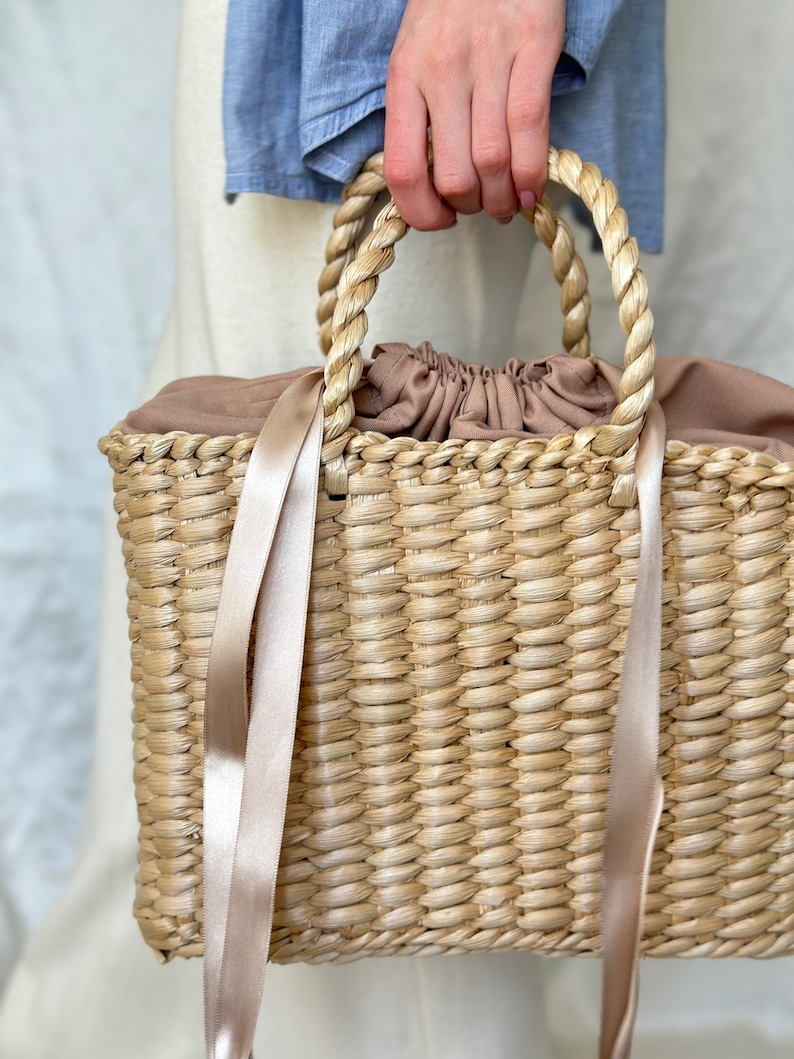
{"x": 399, "y": 69}
{"x": 442, "y": 64}
{"x": 456, "y": 185}
{"x": 446, "y": 56}
{"x": 491, "y": 157}
{"x": 400, "y": 173}
{"x": 527, "y": 112}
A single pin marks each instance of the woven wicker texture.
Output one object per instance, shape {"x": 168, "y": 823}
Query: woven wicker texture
{"x": 466, "y": 629}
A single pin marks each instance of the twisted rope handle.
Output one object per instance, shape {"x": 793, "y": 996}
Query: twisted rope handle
{"x": 359, "y": 279}
{"x": 359, "y": 198}
{"x": 350, "y": 220}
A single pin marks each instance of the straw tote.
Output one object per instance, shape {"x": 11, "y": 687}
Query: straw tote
{"x": 544, "y": 699}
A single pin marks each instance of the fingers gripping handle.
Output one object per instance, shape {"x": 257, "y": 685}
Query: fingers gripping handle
{"x": 358, "y": 283}
{"x": 350, "y": 220}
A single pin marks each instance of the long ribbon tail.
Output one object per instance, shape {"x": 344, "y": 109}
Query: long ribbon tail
{"x": 247, "y": 764}
{"x": 634, "y": 804}
{"x": 247, "y": 761}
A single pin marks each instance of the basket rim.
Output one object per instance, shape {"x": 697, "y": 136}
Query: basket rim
{"x": 354, "y": 441}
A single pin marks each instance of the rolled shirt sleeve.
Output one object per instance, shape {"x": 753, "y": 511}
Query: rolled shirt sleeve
{"x": 304, "y": 89}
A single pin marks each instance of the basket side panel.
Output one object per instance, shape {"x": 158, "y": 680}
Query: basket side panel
{"x": 176, "y": 510}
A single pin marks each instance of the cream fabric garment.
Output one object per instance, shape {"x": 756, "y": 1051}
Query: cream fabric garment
{"x": 87, "y": 987}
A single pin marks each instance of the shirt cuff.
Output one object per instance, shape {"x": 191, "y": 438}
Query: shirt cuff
{"x": 569, "y": 75}
{"x": 587, "y": 24}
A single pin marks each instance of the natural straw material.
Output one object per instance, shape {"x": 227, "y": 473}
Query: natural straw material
{"x": 465, "y": 641}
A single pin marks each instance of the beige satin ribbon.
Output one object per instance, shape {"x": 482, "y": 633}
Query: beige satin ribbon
{"x": 634, "y": 802}
{"x": 247, "y": 758}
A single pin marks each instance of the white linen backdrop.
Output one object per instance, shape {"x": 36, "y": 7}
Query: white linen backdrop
{"x": 84, "y": 285}
{"x": 86, "y": 94}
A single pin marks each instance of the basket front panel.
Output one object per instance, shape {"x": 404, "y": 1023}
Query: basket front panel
{"x": 459, "y": 656}
{"x": 464, "y": 647}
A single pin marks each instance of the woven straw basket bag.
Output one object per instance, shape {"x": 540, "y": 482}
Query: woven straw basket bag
{"x": 459, "y": 780}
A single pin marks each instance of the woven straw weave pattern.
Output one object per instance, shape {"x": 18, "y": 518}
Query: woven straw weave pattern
{"x": 466, "y": 630}
{"x": 468, "y": 610}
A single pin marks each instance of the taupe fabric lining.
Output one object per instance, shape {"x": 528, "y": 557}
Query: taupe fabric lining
{"x": 432, "y": 396}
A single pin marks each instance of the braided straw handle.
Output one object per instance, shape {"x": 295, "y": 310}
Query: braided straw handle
{"x": 350, "y": 220}
{"x": 359, "y": 280}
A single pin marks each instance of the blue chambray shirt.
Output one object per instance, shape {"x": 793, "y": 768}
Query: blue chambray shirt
{"x": 304, "y": 84}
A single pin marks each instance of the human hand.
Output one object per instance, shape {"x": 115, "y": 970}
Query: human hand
{"x": 479, "y": 73}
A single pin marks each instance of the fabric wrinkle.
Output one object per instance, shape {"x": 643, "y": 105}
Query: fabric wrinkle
{"x": 431, "y": 396}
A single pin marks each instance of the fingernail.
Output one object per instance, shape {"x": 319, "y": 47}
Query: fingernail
{"x": 504, "y": 220}
{"x": 528, "y": 200}
{"x": 452, "y": 223}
